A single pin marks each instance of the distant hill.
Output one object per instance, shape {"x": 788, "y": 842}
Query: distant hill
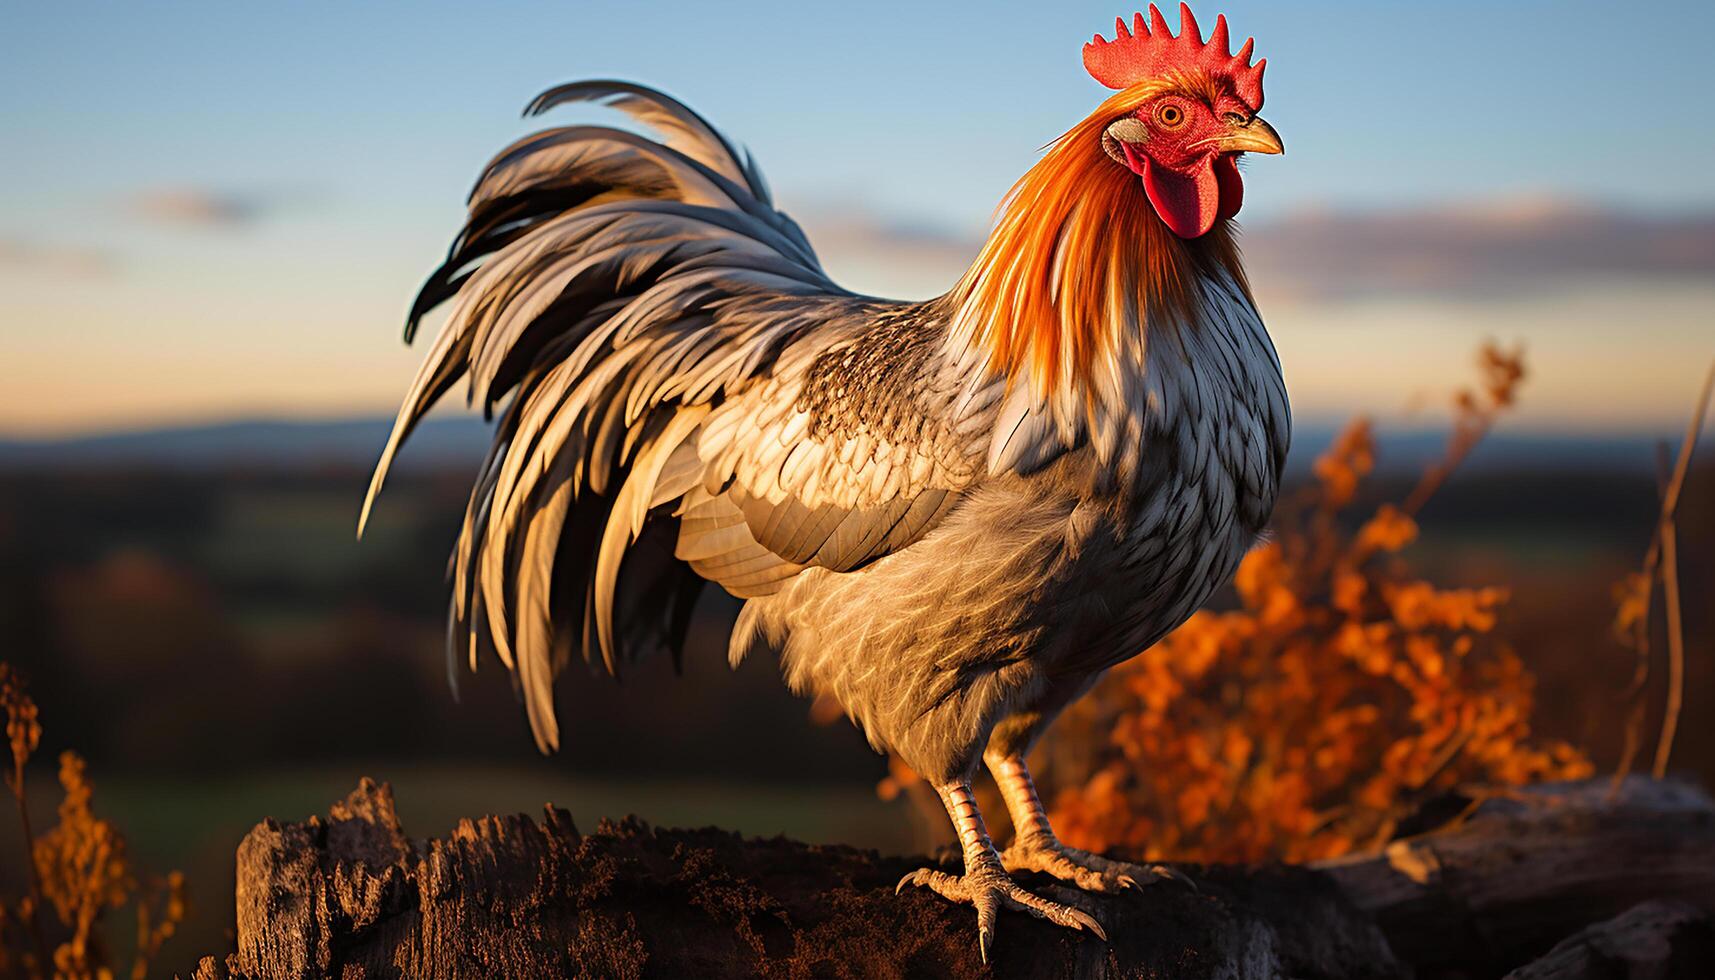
{"x": 460, "y": 441}
{"x": 256, "y": 443}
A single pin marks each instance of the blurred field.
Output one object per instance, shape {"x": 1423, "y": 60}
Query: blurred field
{"x": 221, "y": 649}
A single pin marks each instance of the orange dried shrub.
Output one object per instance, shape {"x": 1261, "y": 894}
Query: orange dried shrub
{"x": 83, "y": 870}
{"x": 78, "y": 870}
{"x": 1344, "y": 688}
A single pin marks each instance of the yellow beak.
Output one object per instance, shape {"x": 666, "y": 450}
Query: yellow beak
{"x": 1256, "y": 136}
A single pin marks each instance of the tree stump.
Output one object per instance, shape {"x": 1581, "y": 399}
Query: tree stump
{"x": 351, "y": 896}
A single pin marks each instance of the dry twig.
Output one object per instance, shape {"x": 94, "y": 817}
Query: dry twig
{"x": 23, "y": 734}
{"x": 1668, "y": 537}
{"x": 1634, "y": 596}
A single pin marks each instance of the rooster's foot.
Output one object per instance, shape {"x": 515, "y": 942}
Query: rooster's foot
{"x": 1091, "y": 872}
{"x": 989, "y": 888}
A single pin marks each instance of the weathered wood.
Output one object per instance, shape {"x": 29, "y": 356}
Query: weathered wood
{"x": 350, "y": 895}
{"x": 1491, "y": 890}
{"x": 1652, "y": 941}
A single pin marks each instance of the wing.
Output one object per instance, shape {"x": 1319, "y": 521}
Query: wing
{"x": 855, "y": 446}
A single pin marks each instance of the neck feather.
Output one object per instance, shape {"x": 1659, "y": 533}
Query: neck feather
{"x": 1077, "y": 254}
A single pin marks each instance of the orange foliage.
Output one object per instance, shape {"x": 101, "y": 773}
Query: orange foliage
{"x": 1306, "y": 722}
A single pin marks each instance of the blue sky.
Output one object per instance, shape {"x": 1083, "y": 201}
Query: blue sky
{"x": 929, "y": 111}
{"x": 334, "y": 143}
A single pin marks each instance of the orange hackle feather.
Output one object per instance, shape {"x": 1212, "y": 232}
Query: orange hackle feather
{"x": 1076, "y": 245}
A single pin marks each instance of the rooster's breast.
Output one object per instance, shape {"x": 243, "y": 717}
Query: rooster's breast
{"x": 1030, "y": 584}
{"x": 1034, "y": 581}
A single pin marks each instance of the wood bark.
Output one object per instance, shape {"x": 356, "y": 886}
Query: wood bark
{"x": 351, "y": 896}
{"x": 1655, "y": 940}
{"x": 1486, "y": 891}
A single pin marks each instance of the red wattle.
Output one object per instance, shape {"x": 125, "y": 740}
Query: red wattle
{"x": 1232, "y": 186}
{"x": 1187, "y": 202}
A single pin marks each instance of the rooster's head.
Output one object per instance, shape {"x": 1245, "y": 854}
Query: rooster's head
{"x": 1191, "y": 110}
{"x": 1075, "y": 258}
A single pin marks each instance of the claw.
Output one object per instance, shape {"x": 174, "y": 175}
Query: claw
{"x": 1089, "y": 922}
{"x": 1090, "y": 872}
{"x": 1176, "y": 875}
{"x": 991, "y": 890}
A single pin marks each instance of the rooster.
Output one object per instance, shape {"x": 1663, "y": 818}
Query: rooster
{"x": 951, "y": 516}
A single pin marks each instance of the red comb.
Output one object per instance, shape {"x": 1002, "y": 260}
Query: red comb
{"x": 1147, "y": 52}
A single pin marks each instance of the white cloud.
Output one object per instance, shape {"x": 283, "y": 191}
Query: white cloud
{"x": 1500, "y": 247}
{"x": 200, "y": 207}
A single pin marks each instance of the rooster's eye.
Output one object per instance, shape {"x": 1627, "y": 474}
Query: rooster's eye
{"x": 1170, "y": 116}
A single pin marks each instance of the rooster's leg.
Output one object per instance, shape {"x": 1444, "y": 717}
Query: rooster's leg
{"x": 1035, "y": 848}
{"x": 985, "y": 883}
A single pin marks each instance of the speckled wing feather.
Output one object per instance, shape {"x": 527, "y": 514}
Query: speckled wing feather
{"x": 683, "y": 395}
{"x": 854, "y": 445}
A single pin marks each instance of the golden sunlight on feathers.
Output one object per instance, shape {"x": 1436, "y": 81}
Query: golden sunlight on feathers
{"x": 1075, "y": 242}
